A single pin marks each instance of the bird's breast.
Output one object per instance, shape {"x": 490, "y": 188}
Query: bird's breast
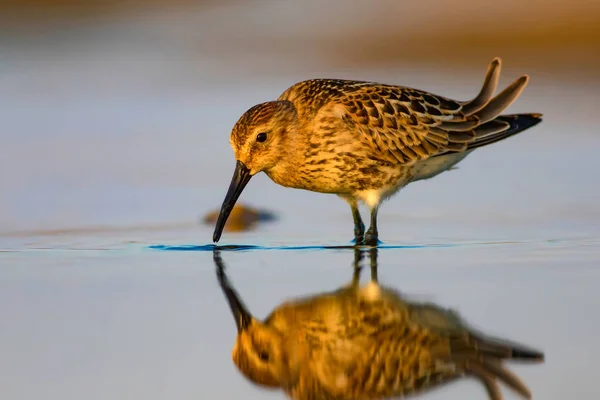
{"x": 341, "y": 173}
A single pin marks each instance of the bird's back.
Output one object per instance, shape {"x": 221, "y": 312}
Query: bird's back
{"x": 309, "y": 96}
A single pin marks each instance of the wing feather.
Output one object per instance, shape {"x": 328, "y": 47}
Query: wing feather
{"x": 403, "y": 124}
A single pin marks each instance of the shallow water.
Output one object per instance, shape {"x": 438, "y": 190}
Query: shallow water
{"x": 131, "y": 322}
{"x": 110, "y": 150}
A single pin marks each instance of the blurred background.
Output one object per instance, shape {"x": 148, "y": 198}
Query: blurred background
{"x": 114, "y": 135}
{"x": 116, "y": 114}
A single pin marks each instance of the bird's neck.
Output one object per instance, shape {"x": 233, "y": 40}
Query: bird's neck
{"x": 289, "y": 169}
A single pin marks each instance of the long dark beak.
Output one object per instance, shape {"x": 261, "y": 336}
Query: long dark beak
{"x": 241, "y": 177}
{"x": 242, "y": 316}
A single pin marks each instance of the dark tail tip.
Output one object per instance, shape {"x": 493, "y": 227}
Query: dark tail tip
{"x": 527, "y": 355}
{"x": 518, "y": 123}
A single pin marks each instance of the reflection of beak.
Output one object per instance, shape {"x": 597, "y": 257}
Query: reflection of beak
{"x": 240, "y": 178}
{"x": 240, "y": 313}
{"x": 242, "y": 316}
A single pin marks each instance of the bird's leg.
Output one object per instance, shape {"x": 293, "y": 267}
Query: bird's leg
{"x": 358, "y": 257}
{"x": 359, "y": 227}
{"x": 373, "y": 259}
{"x": 371, "y": 236}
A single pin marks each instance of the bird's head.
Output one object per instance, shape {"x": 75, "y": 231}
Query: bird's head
{"x": 259, "y": 355}
{"x": 258, "y": 352}
{"x": 259, "y": 139}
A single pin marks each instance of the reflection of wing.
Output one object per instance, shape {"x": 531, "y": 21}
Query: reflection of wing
{"x": 384, "y": 347}
{"x": 473, "y": 352}
{"x": 405, "y": 124}
{"x": 379, "y": 353}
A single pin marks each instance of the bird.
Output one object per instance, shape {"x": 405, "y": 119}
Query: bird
{"x": 364, "y": 141}
{"x": 364, "y": 343}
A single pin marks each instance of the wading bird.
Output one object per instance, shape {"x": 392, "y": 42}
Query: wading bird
{"x": 364, "y": 141}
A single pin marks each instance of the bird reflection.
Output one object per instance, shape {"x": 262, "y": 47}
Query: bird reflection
{"x": 365, "y": 342}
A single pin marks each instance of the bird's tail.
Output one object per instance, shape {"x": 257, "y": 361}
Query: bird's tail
{"x": 483, "y": 357}
{"x": 482, "y": 122}
{"x": 510, "y": 124}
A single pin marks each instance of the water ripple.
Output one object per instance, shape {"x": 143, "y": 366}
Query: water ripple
{"x": 242, "y": 247}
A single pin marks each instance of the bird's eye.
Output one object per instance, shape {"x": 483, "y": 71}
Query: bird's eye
{"x": 261, "y": 137}
{"x": 263, "y": 356}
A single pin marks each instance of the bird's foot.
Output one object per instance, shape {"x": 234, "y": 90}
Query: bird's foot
{"x": 359, "y": 235}
{"x": 358, "y": 240}
{"x": 371, "y": 240}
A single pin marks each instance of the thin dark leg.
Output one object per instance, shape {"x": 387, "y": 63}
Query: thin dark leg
{"x": 359, "y": 227}
{"x": 358, "y": 257}
{"x": 373, "y": 259}
{"x": 371, "y": 238}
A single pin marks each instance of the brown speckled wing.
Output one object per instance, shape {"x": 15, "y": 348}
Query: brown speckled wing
{"x": 311, "y": 96}
{"x": 402, "y": 124}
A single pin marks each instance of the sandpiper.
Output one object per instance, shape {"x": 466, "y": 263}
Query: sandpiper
{"x": 365, "y": 343}
{"x": 364, "y": 141}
